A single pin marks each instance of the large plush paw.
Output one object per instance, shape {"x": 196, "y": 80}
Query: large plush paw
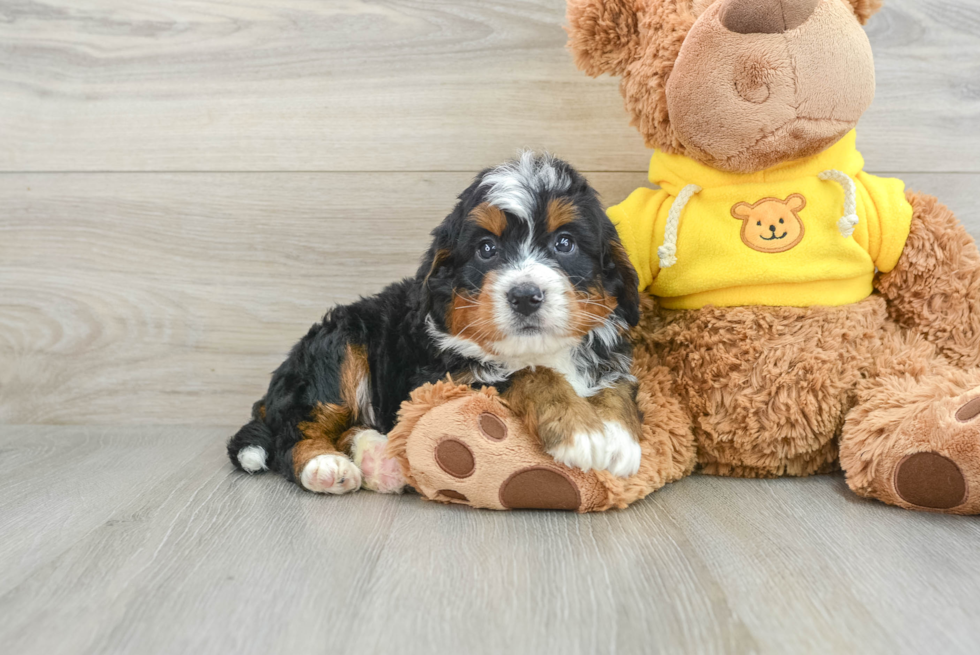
{"x": 614, "y": 450}
{"x": 917, "y": 444}
{"x": 472, "y": 450}
{"x": 330, "y": 474}
{"x": 379, "y": 473}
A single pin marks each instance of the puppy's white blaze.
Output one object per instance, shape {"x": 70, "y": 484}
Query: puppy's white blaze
{"x": 613, "y": 450}
{"x": 330, "y": 474}
{"x": 552, "y": 316}
{"x": 252, "y": 458}
{"x": 512, "y": 186}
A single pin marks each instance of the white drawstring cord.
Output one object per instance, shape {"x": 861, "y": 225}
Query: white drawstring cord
{"x": 668, "y": 251}
{"x": 846, "y": 224}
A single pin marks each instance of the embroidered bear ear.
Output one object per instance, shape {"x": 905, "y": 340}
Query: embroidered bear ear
{"x": 603, "y": 35}
{"x": 742, "y": 211}
{"x": 796, "y": 202}
{"x": 865, "y": 9}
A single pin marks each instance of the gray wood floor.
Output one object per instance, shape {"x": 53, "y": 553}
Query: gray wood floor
{"x": 185, "y": 185}
{"x": 125, "y": 540}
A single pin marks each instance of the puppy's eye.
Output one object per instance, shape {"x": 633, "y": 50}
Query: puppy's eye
{"x": 759, "y": 223}
{"x": 565, "y": 244}
{"x": 487, "y": 249}
{"x": 780, "y": 221}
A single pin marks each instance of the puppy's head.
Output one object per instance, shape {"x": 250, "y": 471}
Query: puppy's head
{"x": 527, "y": 263}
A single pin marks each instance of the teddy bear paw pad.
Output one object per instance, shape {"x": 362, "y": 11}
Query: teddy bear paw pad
{"x": 539, "y": 487}
{"x": 455, "y": 458}
{"x": 930, "y": 480}
{"x": 969, "y": 412}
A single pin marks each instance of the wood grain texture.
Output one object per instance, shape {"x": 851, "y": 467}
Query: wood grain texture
{"x": 165, "y": 549}
{"x": 409, "y": 85}
{"x": 169, "y": 298}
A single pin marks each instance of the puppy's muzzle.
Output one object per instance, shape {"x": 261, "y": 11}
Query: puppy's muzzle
{"x": 525, "y": 299}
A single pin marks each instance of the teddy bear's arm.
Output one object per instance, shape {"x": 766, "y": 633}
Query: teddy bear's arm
{"x": 935, "y": 287}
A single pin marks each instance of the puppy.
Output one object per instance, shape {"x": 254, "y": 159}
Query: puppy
{"x": 526, "y": 287}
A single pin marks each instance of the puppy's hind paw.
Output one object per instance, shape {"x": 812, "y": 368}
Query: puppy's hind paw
{"x": 381, "y": 474}
{"x": 614, "y": 450}
{"x": 331, "y": 474}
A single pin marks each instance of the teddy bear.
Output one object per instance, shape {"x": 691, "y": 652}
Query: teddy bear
{"x": 800, "y": 315}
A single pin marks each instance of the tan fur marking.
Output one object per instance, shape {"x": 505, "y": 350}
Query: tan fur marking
{"x": 328, "y": 421}
{"x": 353, "y": 373}
{"x": 346, "y": 440}
{"x": 618, "y": 404}
{"x": 307, "y": 449}
{"x": 490, "y": 218}
{"x": 589, "y": 310}
{"x": 549, "y": 407}
{"x": 472, "y": 317}
{"x": 560, "y": 212}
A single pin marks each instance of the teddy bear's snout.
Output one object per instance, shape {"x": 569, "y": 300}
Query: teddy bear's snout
{"x": 765, "y": 16}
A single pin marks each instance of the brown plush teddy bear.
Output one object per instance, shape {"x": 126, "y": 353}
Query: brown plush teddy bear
{"x": 803, "y": 314}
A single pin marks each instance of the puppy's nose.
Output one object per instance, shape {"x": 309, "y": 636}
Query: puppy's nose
{"x": 525, "y": 299}
{"x": 772, "y": 228}
{"x": 766, "y": 16}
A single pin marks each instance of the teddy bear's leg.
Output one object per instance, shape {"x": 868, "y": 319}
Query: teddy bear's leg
{"x": 935, "y": 288}
{"x": 913, "y": 439}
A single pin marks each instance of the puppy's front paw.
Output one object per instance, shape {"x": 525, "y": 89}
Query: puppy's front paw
{"x": 330, "y": 474}
{"x": 614, "y": 450}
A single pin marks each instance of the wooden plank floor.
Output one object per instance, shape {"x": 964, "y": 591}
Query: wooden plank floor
{"x": 185, "y": 185}
{"x": 126, "y": 540}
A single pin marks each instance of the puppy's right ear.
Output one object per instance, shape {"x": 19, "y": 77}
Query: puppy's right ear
{"x": 603, "y": 35}
{"x": 431, "y": 273}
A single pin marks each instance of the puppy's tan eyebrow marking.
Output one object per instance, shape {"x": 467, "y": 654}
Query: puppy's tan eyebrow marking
{"x": 560, "y": 212}
{"x": 490, "y": 218}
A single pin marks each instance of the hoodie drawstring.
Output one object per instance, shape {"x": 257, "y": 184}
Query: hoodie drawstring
{"x": 846, "y": 224}
{"x": 668, "y": 251}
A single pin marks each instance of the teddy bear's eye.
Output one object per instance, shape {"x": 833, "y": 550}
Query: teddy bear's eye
{"x": 759, "y": 223}
{"x": 780, "y": 221}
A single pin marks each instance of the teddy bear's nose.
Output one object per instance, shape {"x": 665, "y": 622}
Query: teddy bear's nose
{"x": 765, "y": 16}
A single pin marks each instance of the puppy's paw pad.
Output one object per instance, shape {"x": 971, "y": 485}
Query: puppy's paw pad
{"x": 379, "y": 473}
{"x": 330, "y": 474}
{"x": 614, "y": 450}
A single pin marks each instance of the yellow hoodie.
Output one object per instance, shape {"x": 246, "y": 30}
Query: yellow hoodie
{"x": 807, "y": 232}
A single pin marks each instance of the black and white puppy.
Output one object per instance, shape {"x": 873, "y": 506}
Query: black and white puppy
{"x": 526, "y": 287}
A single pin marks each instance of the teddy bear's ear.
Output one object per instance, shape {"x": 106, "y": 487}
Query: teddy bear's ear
{"x": 603, "y": 34}
{"x": 865, "y": 9}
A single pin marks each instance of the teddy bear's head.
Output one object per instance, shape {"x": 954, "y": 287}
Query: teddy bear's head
{"x": 740, "y": 85}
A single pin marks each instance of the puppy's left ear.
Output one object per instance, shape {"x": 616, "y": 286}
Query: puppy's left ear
{"x": 621, "y": 280}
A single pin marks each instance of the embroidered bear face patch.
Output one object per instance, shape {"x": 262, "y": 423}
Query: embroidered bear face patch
{"x": 771, "y": 225}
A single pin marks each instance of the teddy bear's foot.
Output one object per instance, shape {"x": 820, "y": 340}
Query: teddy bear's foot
{"x": 472, "y": 450}
{"x": 378, "y": 472}
{"x": 917, "y": 444}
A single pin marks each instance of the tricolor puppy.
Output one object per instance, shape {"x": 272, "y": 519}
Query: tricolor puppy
{"x": 526, "y": 287}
